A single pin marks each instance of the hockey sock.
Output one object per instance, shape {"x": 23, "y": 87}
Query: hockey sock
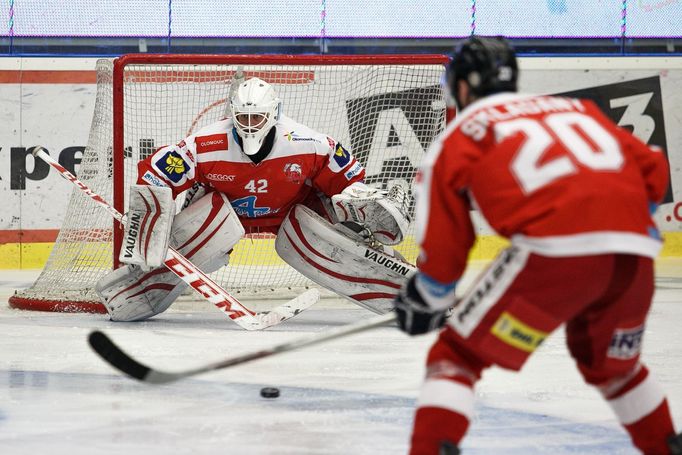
{"x": 444, "y": 409}
{"x": 642, "y": 409}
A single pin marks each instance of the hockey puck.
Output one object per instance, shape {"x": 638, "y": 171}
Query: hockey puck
{"x": 269, "y": 392}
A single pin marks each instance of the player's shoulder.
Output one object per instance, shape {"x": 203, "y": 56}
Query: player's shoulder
{"x": 299, "y": 134}
{"x": 222, "y": 126}
{"x": 298, "y": 129}
{"x": 212, "y": 137}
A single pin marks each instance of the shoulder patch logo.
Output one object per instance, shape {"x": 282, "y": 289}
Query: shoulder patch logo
{"x": 341, "y": 156}
{"x": 172, "y": 166}
{"x": 211, "y": 143}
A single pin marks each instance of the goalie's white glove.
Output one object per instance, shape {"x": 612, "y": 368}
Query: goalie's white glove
{"x": 384, "y": 214}
{"x": 148, "y": 226}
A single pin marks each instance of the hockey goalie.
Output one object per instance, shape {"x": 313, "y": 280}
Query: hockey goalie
{"x": 258, "y": 171}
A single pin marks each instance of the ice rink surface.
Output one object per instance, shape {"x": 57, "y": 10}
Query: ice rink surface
{"x": 351, "y": 396}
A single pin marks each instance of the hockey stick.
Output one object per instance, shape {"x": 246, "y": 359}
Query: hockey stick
{"x": 193, "y": 276}
{"x": 112, "y": 354}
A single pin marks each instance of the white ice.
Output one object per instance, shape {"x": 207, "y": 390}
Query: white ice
{"x": 348, "y": 397}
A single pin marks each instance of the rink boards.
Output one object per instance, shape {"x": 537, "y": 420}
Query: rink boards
{"x": 49, "y": 102}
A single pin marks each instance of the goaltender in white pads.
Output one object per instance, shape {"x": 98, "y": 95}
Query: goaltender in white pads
{"x": 207, "y": 230}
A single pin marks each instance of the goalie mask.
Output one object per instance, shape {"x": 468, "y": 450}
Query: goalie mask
{"x": 255, "y": 109}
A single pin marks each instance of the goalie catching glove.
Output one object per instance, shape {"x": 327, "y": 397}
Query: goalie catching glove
{"x": 383, "y": 213}
{"x": 147, "y": 226}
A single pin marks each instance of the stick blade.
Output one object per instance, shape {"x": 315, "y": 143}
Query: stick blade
{"x": 277, "y": 315}
{"x": 115, "y": 357}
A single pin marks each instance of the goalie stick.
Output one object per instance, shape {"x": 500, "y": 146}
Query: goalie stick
{"x": 112, "y": 354}
{"x": 193, "y": 276}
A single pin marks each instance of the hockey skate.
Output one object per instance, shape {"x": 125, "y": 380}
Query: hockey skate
{"x": 675, "y": 444}
{"x": 448, "y": 448}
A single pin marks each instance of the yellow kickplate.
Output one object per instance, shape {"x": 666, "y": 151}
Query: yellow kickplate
{"x": 262, "y": 251}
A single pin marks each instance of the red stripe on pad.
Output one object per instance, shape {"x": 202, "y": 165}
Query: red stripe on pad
{"x": 301, "y": 236}
{"x": 339, "y": 275}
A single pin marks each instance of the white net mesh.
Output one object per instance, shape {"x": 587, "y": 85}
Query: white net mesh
{"x": 385, "y": 114}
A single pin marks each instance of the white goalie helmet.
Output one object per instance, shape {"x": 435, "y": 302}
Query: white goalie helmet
{"x": 255, "y": 109}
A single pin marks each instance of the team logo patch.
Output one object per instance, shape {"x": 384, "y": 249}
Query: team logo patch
{"x": 211, "y": 143}
{"x": 246, "y": 207}
{"x": 515, "y": 333}
{"x": 341, "y": 156}
{"x": 172, "y": 166}
{"x": 626, "y": 343}
{"x": 293, "y": 172}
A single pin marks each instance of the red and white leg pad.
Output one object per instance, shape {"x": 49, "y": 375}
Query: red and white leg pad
{"x": 334, "y": 257}
{"x": 205, "y": 232}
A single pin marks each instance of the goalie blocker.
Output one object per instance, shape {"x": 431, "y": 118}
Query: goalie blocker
{"x": 147, "y": 226}
{"x": 337, "y": 258}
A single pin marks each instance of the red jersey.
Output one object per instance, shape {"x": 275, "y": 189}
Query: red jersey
{"x": 552, "y": 174}
{"x": 301, "y": 161}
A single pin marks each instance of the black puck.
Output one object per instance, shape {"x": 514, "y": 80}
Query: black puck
{"x": 269, "y": 392}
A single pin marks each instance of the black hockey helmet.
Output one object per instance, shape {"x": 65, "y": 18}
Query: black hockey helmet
{"x": 487, "y": 64}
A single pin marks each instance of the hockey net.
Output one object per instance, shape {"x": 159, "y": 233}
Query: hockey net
{"x": 385, "y": 109}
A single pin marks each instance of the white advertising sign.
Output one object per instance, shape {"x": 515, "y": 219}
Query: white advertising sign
{"x": 40, "y": 108}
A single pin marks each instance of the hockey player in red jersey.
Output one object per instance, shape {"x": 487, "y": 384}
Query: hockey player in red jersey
{"x": 257, "y": 171}
{"x": 574, "y": 194}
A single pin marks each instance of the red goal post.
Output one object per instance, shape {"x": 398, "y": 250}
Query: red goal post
{"x": 385, "y": 108}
